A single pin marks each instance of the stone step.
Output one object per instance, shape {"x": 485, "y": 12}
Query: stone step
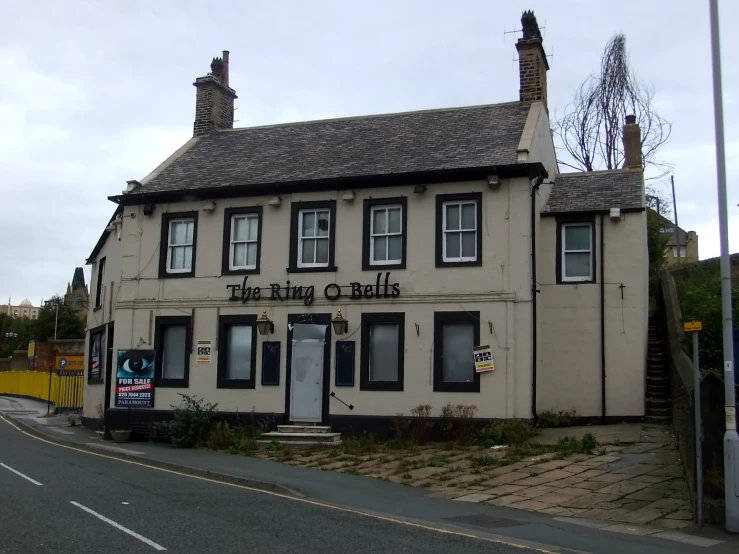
{"x": 658, "y": 403}
{"x": 659, "y": 420}
{"x": 303, "y": 429}
{"x": 301, "y": 439}
{"x": 662, "y": 412}
{"x": 658, "y": 392}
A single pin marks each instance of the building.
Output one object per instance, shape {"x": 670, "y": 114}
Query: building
{"x": 24, "y": 309}
{"x": 77, "y": 296}
{"x": 344, "y": 271}
{"x": 682, "y": 247}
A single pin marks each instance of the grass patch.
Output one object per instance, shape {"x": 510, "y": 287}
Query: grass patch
{"x": 550, "y": 418}
{"x": 435, "y": 461}
{"x": 511, "y": 432}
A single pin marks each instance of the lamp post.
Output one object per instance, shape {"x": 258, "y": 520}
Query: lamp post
{"x": 11, "y": 336}
{"x": 731, "y": 439}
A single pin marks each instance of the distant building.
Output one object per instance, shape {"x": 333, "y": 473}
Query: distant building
{"x": 77, "y": 296}
{"x": 680, "y": 249}
{"x": 24, "y": 309}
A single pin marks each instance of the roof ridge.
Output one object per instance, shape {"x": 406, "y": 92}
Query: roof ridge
{"x": 369, "y": 116}
{"x": 601, "y": 172}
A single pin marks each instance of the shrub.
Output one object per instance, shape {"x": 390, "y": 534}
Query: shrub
{"x": 457, "y": 422}
{"x": 512, "y": 431}
{"x": 221, "y": 436}
{"x": 191, "y": 423}
{"x": 550, "y": 418}
{"x": 400, "y": 427}
{"x": 421, "y": 424}
{"x": 588, "y": 443}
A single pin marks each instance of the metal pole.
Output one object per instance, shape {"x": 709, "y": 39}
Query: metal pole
{"x": 731, "y": 439}
{"x": 698, "y": 431}
{"x": 56, "y": 318}
{"x": 48, "y": 405}
{"x": 676, "y": 232}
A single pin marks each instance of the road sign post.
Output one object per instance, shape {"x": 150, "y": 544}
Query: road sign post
{"x": 694, "y": 328}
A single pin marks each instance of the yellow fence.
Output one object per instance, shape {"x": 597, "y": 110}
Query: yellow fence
{"x": 65, "y": 392}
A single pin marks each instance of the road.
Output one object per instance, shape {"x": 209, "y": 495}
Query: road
{"x": 56, "y": 499}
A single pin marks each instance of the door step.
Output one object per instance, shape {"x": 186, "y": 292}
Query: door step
{"x": 303, "y": 429}
{"x": 301, "y": 439}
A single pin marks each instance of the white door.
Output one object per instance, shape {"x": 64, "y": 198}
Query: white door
{"x": 306, "y": 388}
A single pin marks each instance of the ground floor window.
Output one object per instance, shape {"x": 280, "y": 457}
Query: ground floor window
{"x": 455, "y": 335}
{"x": 382, "y": 351}
{"x": 237, "y": 353}
{"x": 172, "y": 344}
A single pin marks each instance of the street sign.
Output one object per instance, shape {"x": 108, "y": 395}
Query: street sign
{"x": 70, "y": 362}
{"x": 690, "y": 326}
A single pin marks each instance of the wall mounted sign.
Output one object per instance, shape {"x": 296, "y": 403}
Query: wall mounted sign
{"x": 204, "y": 349}
{"x": 70, "y": 362}
{"x": 135, "y": 379}
{"x": 483, "y": 358}
{"x": 31, "y": 349}
{"x": 382, "y": 288}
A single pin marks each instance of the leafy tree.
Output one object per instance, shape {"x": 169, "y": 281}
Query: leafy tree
{"x": 68, "y": 325}
{"x": 656, "y": 239}
{"x": 21, "y": 326}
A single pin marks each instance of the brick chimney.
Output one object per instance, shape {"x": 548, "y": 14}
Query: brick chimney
{"x": 632, "y": 144}
{"x": 214, "y": 104}
{"x": 532, "y": 61}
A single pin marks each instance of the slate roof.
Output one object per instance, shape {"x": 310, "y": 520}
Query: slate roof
{"x": 456, "y": 138}
{"x": 597, "y": 191}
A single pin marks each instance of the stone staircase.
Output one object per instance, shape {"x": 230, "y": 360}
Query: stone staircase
{"x": 658, "y": 402}
{"x": 302, "y": 435}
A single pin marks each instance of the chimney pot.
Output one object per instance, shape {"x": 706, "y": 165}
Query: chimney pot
{"x": 532, "y": 61}
{"x": 630, "y": 119}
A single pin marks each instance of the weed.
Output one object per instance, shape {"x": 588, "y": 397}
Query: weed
{"x": 406, "y": 475}
{"x": 550, "y": 418}
{"x": 484, "y": 461}
{"x": 334, "y": 453}
{"x": 435, "y": 461}
{"x": 602, "y": 451}
{"x": 401, "y": 427}
{"x": 488, "y": 443}
{"x": 191, "y": 423}
{"x": 273, "y": 446}
{"x": 588, "y": 443}
{"x": 512, "y": 431}
{"x": 534, "y": 474}
{"x": 617, "y": 443}
{"x": 421, "y": 424}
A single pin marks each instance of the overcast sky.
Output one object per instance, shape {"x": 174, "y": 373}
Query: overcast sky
{"x": 96, "y": 93}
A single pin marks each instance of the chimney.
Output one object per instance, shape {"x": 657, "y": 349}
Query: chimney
{"x": 532, "y": 61}
{"x": 632, "y": 144}
{"x": 214, "y": 104}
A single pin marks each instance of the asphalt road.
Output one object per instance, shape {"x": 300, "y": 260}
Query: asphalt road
{"x": 82, "y": 503}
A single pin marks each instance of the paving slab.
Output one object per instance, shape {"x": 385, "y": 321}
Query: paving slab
{"x": 478, "y": 497}
{"x": 504, "y": 490}
{"x": 623, "y": 488}
{"x": 624, "y": 433}
{"x": 506, "y": 500}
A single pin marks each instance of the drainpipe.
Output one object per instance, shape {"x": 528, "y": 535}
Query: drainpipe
{"x": 534, "y": 292}
{"x": 602, "y": 322}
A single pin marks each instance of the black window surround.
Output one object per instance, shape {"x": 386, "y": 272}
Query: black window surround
{"x": 454, "y": 317}
{"x": 164, "y": 244}
{"x": 161, "y": 323}
{"x": 441, "y": 199}
{"x": 582, "y": 220}
{"x": 224, "y": 322}
{"x": 100, "y": 332}
{"x": 228, "y": 215}
{"x": 296, "y": 208}
{"x": 367, "y": 320}
{"x": 369, "y": 204}
{"x": 99, "y": 285}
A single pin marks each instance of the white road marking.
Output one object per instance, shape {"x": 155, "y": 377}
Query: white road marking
{"x": 26, "y": 477}
{"x": 60, "y": 430}
{"x": 118, "y": 526}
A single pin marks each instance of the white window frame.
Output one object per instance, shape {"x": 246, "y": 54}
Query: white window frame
{"x": 233, "y": 243}
{"x": 459, "y": 231}
{"x": 385, "y": 236}
{"x": 170, "y": 246}
{"x": 315, "y": 237}
{"x": 578, "y": 279}
{"x": 680, "y": 251}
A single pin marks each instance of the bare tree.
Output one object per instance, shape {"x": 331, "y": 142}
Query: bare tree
{"x": 590, "y": 130}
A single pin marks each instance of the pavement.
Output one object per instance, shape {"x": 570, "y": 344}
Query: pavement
{"x": 198, "y": 501}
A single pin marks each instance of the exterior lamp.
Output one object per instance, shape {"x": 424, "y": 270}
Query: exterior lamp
{"x": 265, "y": 324}
{"x": 341, "y": 325}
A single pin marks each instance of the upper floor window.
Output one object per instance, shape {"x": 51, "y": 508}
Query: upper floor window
{"x": 312, "y": 236}
{"x": 458, "y": 237}
{"x": 99, "y": 288}
{"x": 385, "y": 231}
{"x": 179, "y": 236}
{"x": 242, "y": 237}
{"x": 576, "y": 253}
{"x": 680, "y": 251}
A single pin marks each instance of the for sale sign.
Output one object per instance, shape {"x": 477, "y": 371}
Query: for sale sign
{"x": 135, "y": 379}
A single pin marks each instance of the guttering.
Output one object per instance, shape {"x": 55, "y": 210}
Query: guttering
{"x": 602, "y": 322}
{"x": 534, "y": 292}
{"x": 232, "y": 190}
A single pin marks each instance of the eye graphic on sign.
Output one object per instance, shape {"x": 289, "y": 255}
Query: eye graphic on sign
{"x": 135, "y": 362}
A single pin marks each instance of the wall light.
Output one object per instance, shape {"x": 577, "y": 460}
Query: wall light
{"x": 419, "y": 189}
{"x": 275, "y": 202}
{"x": 209, "y": 206}
{"x": 340, "y": 324}
{"x": 265, "y": 324}
{"x": 348, "y": 196}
